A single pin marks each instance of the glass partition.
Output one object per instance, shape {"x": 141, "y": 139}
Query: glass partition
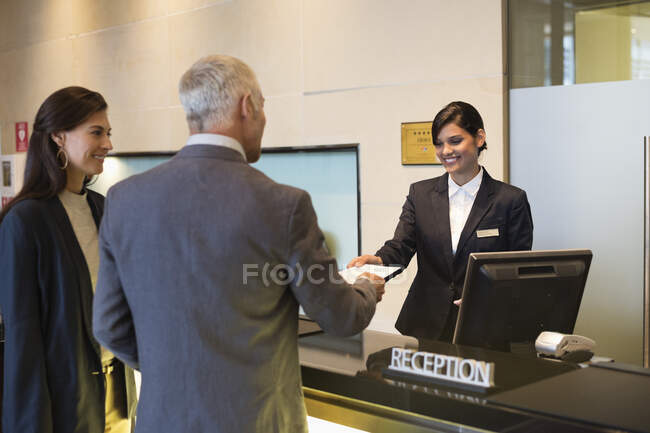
{"x": 557, "y": 42}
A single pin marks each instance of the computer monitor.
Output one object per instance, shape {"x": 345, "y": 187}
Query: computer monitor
{"x": 511, "y": 297}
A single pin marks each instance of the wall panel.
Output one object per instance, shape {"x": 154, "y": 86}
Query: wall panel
{"x": 128, "y": 64}
{"x": 26, "y": 22}
{"x": 358, "y": 43}
{"x": 32, "y": 73}
{"x": 92, "y": 15}
{"x": 143, "y": 130}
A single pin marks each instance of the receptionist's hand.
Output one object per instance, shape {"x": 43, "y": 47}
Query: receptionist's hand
{"x": 366, "y": 258}
{"x": 377, "y": 281}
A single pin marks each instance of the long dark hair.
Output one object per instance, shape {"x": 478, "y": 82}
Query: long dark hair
{"x": 63, "y": 110}
{"x": 462, "y": 114}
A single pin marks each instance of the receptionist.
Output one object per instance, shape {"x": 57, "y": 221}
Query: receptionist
{"x": 446, "y": 218}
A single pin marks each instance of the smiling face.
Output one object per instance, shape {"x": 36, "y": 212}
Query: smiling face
{"x": 86, "y": 146}
{"x": 457, "y": 149}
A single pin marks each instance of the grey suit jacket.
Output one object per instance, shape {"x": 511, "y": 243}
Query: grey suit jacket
{"x": 187, "y": 293}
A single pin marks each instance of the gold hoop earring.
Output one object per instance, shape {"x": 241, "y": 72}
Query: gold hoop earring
{"x": 58, "y": 157}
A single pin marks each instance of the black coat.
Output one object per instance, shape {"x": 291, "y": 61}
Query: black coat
{"x": 52, "y": 361}
{"x": 428, "y": 311}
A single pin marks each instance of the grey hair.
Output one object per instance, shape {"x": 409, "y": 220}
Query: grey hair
{"x": 211, "y": 89}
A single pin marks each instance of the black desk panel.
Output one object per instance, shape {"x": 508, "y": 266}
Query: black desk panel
{"x": 352, "y": 368}
{"x": 594, "y": 395}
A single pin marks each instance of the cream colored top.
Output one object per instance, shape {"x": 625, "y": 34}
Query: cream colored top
{"x": 83, "y": 224}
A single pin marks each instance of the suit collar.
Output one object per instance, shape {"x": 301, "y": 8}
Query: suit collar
{"x": 440, "y": 202}
{"x": 216, "y": 140}
{"x": 442, "y": 183}
{"x": 210, "y": 151}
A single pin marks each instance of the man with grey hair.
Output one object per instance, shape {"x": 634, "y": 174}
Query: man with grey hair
{"x": 184, "y": 293}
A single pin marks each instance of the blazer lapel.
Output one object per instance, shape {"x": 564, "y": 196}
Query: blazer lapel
{"x": 96, "y": 203}
{"x": 79, "y": 265}
{"x": 482, "y": 204}
{"x": 440, "y": 200}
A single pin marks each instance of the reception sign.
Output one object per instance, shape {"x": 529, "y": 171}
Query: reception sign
{"x": 443, "y": 368}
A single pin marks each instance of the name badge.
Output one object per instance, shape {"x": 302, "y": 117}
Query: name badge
{"x": 487, "y": 233}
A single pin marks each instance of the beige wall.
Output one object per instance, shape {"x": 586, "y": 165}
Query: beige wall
{"x": 333, "y": 71}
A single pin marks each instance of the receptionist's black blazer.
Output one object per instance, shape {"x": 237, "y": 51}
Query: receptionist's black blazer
{"x": 424, "y": 228}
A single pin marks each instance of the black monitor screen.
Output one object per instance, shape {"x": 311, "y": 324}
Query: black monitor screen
{"x": 511, "y": 297}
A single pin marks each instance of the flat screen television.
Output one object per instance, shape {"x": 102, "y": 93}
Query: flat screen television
{"x": 511, "y": 297}
{"x": 330, "y": 174}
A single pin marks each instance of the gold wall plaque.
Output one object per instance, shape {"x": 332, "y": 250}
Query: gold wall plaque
{"x": 417, "y": 146}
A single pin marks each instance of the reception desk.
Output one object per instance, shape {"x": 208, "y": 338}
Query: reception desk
{"x": 345, "y": 382}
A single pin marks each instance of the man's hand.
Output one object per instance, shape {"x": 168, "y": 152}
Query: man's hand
{"x": 366, "y": 258}
{"x": 377, "y": 281}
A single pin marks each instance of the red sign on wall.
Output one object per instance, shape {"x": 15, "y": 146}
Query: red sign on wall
{"x": 5, "y": 200}
{"x": 22, "y": 137}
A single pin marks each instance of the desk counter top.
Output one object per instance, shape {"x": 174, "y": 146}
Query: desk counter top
{"x": 528, "y": 396}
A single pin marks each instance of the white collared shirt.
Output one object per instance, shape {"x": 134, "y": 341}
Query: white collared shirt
{"x": 461, "y": 200}
{"x": 216, "y": 140}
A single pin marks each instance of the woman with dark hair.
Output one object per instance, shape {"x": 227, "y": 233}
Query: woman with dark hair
{"x": 57, "y": 378}
{"x": 446, "y": 218}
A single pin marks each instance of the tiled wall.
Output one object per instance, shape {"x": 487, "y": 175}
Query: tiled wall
{"x": 333, "y": 71}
